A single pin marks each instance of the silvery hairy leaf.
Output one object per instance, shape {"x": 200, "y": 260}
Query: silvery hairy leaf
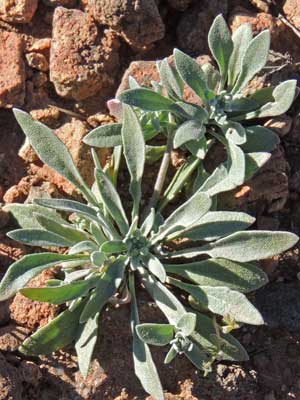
{"x": 60, "y": 294}
{"x": 23, "y": 270}
{"x": 111, "y": 200}
{"x": 220, "y": 44}
{"x": 85, "y": 343}
{"x": 217, "y": 224}
{"x": 189, "y": 130}
{"x": 282, "y": 98}
{"x": 187, "y": 324}
{"x": 241, "y": 39}
{"x": 254, "y": 59}
{"x": 260, "y": 139}
{"x": 223, "y": 301}
{"x": 166, "y": 301}
{"x": 155, "y": 334}
{"x": 134, "y": 152}
{"x": 192, "y": 74}
{"x": 24, "y": 214}
{"x": 40, "y": 238}
{"x": 52, "y": 151}
{"x": 170, "y": 79}
{"x": 58, "y": 333}
{"x": 184, "y": 216}
{"x": 205, "y": 332}
{"x": 243, "y": 277}
{"x": 213, "y": 77}
{"x": 245, "y": 246}
{"x": 144, "y": 366}
{"x": 156, "y": 268}
{"x": 146, "y": 99}
{"x": 106, "y": 287}
{"x": 104, "y": 136}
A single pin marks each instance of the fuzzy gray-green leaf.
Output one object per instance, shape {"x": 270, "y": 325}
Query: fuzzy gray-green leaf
{"x": 60, "y": 294}
{"x": 105, "y": 136}
{"x": 216, "y": 224}
{"x": 58, "y": 333}
{"x": 254, "y": 59}
{"x": 220, "y": 44}
{"x": 241, "y": 39}
{"x": 111, "y": 200}
{"x": 192, "y": 74}
{"x": 155, "y": 334}
{"x": 189, "y": 130}
{"x": 51, "y": 150}
{"x": 242, "y": 277}
{"x": 223, "y": 301}
{"x": 85, "y": 344}
{"x": 39, "y": 237}
{"x": 134, "y": 152}
{"x": 21, "y": 271}
{"x": 184, "y": 216}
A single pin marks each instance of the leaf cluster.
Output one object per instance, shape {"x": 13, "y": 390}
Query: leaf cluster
{"x": 107, "y": 251}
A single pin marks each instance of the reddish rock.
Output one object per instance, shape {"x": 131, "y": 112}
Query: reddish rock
{"x": 33, "y": 314}
{"x": 282, "y": 37}
{"x": 83, "y": 58}
{"x": 12, "y": 70}
{"x": 10, "y": 381}
{"x": 282, "y": 125}
{"x": 139, "y": 22}
{"x": 193, "y": 27}
{"x": 268, "y": 189}
{"x": 291, "y": 8}
{"x": 37, "y": 61}
{"x": 17, "y": 11}
{"x": 12, "y": 336}
{"x": 261, "y": 5}
{"x": 10, "y": 251}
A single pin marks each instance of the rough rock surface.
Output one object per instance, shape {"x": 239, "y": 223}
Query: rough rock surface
{"x": 17, "y": 11}
{"x": 138, "y": 21}
{"x": 12, "y": 70}
{"x": 12, "y": 336}
{"x": 33, "y": 314}
{"x": 10, "y": 382}
{"x": 291, "y": 8}
{"x": 37, "y": 61}
{"x": 83, "y": 59}
{"x": 280, "y": 32}
{"x": 194, "y": 25}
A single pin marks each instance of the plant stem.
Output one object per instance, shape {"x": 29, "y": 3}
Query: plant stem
{"x": 162, "y": 173}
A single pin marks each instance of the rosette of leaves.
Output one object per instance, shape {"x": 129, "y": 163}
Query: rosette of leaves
{"x": 106, "y": 252}
{"x": 223, "y": 112}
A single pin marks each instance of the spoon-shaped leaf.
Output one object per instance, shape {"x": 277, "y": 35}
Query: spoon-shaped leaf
{"x": 134, "y": 152}
{"x": 220, "y": 44}
{"x": 220, "y": 272}
{"x": 223, "y": 301}
{"x": 104, "y": 136}
{"x": 155, "y": 334}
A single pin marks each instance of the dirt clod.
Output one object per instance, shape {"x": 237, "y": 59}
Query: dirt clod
{"x": 83, "y": 58}
{"x": 12, "y": 70}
